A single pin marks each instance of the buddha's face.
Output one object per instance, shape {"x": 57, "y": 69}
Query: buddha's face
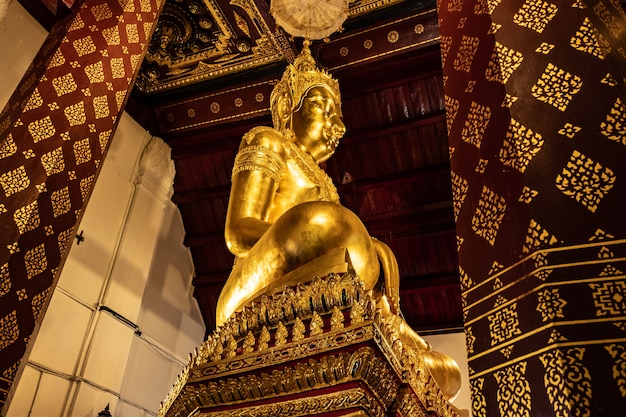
{"x": 317, "y": 123}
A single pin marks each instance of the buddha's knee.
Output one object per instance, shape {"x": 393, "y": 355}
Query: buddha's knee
{"x": 310, "y": 230}
{"x": 321, "y": 224}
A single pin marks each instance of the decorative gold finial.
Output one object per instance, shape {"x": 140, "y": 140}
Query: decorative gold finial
{"x": 312, "y": 19}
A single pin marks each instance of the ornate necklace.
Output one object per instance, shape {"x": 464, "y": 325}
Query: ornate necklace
{"x": 328, "y": 191}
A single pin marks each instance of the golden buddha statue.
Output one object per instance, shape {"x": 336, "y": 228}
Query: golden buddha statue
{"x": 285, "y": 224}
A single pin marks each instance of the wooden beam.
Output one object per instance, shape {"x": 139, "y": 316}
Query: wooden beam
{"x": 361, "y": 135}
{"x": 430, "y": 283}
{"x": 195, "y": 196}
{"x": 204, "y": 239}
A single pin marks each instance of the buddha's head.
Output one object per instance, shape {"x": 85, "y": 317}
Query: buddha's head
{"x": 307, "y": 102}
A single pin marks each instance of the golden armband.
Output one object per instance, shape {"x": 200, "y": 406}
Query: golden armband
{"x": 259, "y": 158}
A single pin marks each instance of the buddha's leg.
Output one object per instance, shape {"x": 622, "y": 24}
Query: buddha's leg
{"x": 305, "y": 232}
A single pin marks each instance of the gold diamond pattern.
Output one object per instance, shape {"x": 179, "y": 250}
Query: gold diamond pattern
{"x": 535, "y": 15}
{"x": 537, "y": 236}
{"x": 492, "y": 4}
{"x": 84, "y": 46}
{"x": 82, "y": 152}
{"x": 120, "y": 96}
{"x": 14, "y": 181}
{"x": 585, "y": 181}
{"x": 452, "y": 108}
{"x": 587, "y": 39}
{"x": 459, "y": 191}
{"x": 75, "y": 114}
{"x": 135, "y": 60}
{"x": 57, "y": 59}
{"x": 465, "y": 55}
{"x": 504, "y": 61}
{"x": 488, "y": 215}
{"x": 5, "y": 280}
{"x": 608, "y": 19}
{"x": 556, "y": 87}
{"x": 64, "y": 84}
{"x": 614, "y": 126}
{"x": 35, "y": 101}
{"x": 53, "y": 162}
{"x": 38, "y": 302}
{"x": 9, "y": 330}
{"x": 527, "y": 195}
{"x": 481, "y": 165}
{"x": 61, "y": 203}
{"x": 112, "y": 35}
{"x": 95, "y": 72}
{"x": 476, "y": 123}
{"x": 520, "y": 146}
{"x": 103, "y": 139}
{"x": 85, "y": 186}
{"x": 146, "y": 6}
{"x": 63, "y": 239}
{"x": 480, "y": 7}
{"x": 455, "y": 5}
{"x": 147, "y": 29}
{"x": 41, "y": 129}
{"x": 117, "y": 67}
{"x": 101, "y": 107}
{"x": 35, "y": 261}
{"x": 27, "y": 217}
{"x": 102, "y": 11}
{"x": 132, "y": 33}
{"x": 77, "y": 23}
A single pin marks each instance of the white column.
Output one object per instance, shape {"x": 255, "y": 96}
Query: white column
{"x": 122, "y": 319}
{"x": 4, "y": 9}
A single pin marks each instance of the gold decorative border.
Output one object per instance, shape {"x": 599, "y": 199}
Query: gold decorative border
{"x": 348, "y": 341}
{"x": 205, "y": 99}
{"x": 336, "y": 401}
{"x": 342, "y": 39}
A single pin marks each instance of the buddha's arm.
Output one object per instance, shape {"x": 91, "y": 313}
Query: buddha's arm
{"x": 258, "y": 167}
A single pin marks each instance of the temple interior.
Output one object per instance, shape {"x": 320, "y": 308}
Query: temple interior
{"x": 487, "y": 160}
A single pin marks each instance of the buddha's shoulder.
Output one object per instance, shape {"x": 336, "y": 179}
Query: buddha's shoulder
{"x": 265, "y": 137}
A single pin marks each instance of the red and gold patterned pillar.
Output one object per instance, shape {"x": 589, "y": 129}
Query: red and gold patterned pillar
{"x": 54, "y": 133}
{"x": 536, "y": 112}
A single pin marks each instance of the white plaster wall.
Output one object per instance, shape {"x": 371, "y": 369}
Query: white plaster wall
{"x": 21, "y": 36}
{"x": 132, "y": 262}
{"x": 453, "y": 344}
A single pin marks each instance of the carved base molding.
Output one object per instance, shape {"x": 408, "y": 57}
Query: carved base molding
{"x": 317, "y": 349}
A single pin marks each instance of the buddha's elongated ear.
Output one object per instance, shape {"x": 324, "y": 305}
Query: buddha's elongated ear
{"x": 283, "y": 110}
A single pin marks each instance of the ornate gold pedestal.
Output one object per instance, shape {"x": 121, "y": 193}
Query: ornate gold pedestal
{"x": 318, "y": 349}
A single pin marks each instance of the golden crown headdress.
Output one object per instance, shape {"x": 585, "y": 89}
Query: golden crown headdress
{"x": 300, "y": 77}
